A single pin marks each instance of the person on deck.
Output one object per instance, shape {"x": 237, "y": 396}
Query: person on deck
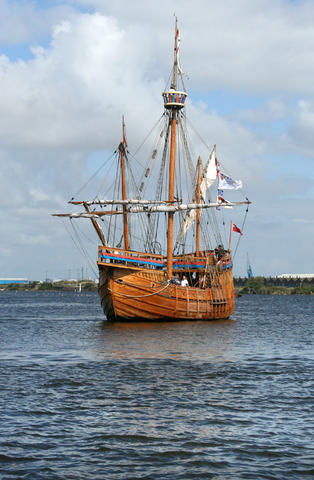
{"x": 175, "y": 281}
{"x": 219, "y": 252}
{"x": 184, "y": 282}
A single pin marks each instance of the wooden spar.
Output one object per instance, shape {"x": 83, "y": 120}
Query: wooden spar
{"x": 100, "y": 213}
{"x": 172, "y": 160}
{"x": 230, "y": 235}
{"x": 175, "y": 63}
{"x": 125, "y": 219}
{"x": 151, "y": 209}
{"x": 99, "y": 231}
{"x": 94, "y": 213}
{"x": 198, "y": 200}
{"x": 171, "y": 194}
{"x": 129, "y": 201}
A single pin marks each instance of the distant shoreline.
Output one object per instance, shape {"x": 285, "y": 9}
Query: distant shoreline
{"x": 274, "y": 286}
{"x": 249, "y": 286}
{"x": 61, "y": 286}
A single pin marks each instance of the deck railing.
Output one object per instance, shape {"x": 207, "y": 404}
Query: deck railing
{"x": 129, "y": 258}
{"x": 181, "y": 263}
{"x": 190, "y": 261}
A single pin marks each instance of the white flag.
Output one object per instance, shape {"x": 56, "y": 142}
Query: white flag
{"x": 226, "y": 183}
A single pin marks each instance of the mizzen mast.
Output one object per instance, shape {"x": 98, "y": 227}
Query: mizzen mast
{"x": 198, "y": 200}
{"x": 173, "y": 102}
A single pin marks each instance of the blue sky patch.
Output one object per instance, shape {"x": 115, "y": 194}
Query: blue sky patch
{"x": 227, "y": 103}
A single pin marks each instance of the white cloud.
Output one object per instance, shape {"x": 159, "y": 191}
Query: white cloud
{"x": 22, "y": 22}
{"x": 258, "y": 46}
{"x": 71, "y": 92}
{"x": 67, "y": 102}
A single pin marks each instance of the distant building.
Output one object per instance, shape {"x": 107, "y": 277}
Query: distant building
{"x": 296, "y": 275}
{"x": 16, "y": 281}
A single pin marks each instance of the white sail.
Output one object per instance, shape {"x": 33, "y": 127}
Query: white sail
{"x": 209, "y": 174}
{"x": 187, "y": 224}
{"x": 208, "y": 177}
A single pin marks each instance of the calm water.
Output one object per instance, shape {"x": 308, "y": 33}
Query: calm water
{"x": 81, "y": 399}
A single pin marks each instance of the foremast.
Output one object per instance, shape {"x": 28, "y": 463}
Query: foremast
{"x": 173, "y": 102}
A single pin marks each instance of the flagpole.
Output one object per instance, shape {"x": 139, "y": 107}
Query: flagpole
{"x": 230, "y": 235}
{"x": 173, "y": 123}
{"x": 198, "y": 199}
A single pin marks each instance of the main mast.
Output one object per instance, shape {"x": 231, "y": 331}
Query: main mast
{"x": 173, "y": 101}
{"x": 122, "y": 156}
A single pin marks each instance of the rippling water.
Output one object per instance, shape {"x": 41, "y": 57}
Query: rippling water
{"x": 82, "y": 399}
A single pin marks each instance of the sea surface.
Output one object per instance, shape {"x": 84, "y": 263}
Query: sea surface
{"x": 84, "y": 399}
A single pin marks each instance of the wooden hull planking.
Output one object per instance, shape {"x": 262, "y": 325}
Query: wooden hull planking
{"x": 139, "y": 293}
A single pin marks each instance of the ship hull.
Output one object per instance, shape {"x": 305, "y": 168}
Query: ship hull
{"x": 130, "y": 294}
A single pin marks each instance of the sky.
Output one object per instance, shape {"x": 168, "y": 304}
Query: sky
{"x": 70, "y": 69}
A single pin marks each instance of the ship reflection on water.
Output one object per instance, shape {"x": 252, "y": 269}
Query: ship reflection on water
{"x": 162, "y": 340}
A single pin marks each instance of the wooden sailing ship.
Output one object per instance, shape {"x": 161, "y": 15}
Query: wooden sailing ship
{"x": 164, "y": 274}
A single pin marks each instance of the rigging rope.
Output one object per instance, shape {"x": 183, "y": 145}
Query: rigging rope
{"x": 187, "y": 151}
{"x": 79, "y": 245}
{"x": 152, "y": 232}
{"x": 83, "y": 249}
{"x": 149, "y": 133}
{"x": 94, "y": 175}
{"x": 224, "y": 226}
{"x": 242, "y": 227}
{"x": 141, "y": 296}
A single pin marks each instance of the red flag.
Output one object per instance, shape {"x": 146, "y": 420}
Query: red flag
{"x": 236, "y": 229}
{"x": 217, "y": 167}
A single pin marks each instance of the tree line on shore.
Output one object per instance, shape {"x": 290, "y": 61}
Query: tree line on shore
{"x": 243, "y": 285}
{"x": 274, "y": 285}
{"x": 84, "y": 285}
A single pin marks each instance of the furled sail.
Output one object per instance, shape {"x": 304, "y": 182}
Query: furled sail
{"x": 190, "y": 207}
{"x": 208, "y": 177}
{"x": 131, "y": 201}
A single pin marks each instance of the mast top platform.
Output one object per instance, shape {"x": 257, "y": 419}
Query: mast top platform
{"x": 174, "y": 99}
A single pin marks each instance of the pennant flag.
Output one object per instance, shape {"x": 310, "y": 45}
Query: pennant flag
{"x": 217, "y": 166}
{"x": 219, "y": 193}
{"x": 227, "y": 183}
{"x": 224, "y": 203}
{"x": 178, "y": 46}
{"x": 236, "y": 229}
